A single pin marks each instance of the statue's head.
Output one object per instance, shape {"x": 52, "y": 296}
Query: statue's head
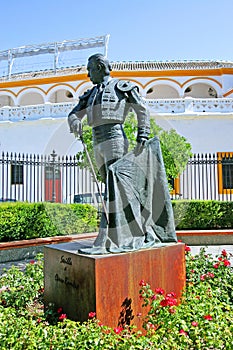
{"x": 98, "y": 67}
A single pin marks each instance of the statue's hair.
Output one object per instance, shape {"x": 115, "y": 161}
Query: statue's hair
{"x": 102, "y": 60}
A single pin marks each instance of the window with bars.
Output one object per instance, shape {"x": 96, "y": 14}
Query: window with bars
{"x": 17, "y": 174}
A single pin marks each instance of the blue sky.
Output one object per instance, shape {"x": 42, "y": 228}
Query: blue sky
{"x": 146, "y": 30}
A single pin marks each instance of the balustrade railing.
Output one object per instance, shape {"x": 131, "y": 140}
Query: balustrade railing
{"x": 163, "y": 106}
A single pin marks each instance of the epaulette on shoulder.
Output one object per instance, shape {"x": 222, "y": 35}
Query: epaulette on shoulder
{"x": 125, "y": 85}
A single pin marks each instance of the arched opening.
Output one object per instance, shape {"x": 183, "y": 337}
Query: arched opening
{"x": 200, "y": 90}
{"x": 61, "y": 95}
{"x": 6, "y": 100}
{"x": 161, "y": 91}
{"x": 31, "y": 98}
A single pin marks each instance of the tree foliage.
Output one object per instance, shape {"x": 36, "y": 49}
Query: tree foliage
{"x": 176, "y": 150}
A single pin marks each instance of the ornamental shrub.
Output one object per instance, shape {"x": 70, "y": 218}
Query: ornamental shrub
{"x": 202, "y": 214}
{"x": 32, "y": 220}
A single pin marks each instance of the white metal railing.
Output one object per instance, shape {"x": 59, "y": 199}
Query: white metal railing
{"x": 47, "y": 110}
{"x": 163, "y": 106}
{"x": 191, "y": 105}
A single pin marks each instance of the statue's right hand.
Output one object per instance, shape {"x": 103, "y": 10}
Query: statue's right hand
{"x": 75, "y": 127}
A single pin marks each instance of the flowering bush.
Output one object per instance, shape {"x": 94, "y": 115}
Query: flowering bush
{"x": 202, "y": 319}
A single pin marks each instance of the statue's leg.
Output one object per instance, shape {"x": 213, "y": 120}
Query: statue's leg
{"x": 107, "y": 149}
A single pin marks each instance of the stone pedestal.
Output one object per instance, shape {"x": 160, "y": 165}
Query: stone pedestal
{"x": 109, "y": 284}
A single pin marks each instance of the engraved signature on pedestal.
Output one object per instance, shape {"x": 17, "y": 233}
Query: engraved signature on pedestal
{"x": 66, "y": 281}
{"x": 67, "y": 261}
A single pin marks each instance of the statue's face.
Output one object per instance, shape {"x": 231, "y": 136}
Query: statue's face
{"x": 95, "y": 72}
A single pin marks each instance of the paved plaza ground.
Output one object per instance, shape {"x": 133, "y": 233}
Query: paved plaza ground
{"x": 214, "y": 250}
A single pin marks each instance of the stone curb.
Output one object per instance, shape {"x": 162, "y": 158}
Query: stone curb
{"x": 28, "y": 249}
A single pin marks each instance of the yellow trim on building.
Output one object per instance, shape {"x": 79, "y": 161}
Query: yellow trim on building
{"x": 42, "y": 81}
{"x": 176, "y": 189}
{"x": 220, "y": 156}
{"x": 119, "y": 74}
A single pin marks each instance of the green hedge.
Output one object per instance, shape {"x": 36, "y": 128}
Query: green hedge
{"x": 32, "y": 220}
{"x": 200, "y": 214}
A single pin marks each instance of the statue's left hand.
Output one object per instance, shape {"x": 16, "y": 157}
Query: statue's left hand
{"x": 140, "y": 145}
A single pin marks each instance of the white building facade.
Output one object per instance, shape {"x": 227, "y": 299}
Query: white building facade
{"x": 193, "y": 97}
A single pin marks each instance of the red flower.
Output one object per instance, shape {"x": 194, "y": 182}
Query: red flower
{"x": 32, "y": 262}
{"x": 208, "y": 317}
{"x": 62, "y": 317}
{"x": 181, "y": 331}
{"x": 220, "y": 259}
{"x": 142, "y": 283}
{"x": 168, "y": 301}
{"x": 224, "y": 253}
{"x": 151, "y": 326}
{"x": 91, "y": 314}
{"x": 216, "y": 266}
{"x": 194, "y": 324}
{"x": 187, "y": 248}
{"x": 159, "y": 291}
{"x": 172, "y": 310}
{"x": 118, "y": 330}
{"x": 153, "y": 297}
{"x": 226, "y": 262}
{"x": 59, "y": 310}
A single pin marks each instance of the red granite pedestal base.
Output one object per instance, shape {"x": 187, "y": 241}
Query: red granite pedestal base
{"x": 109, "y": 284}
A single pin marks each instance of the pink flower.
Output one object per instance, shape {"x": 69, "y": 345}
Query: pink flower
{"x": 153, "y": 297}
{"x": 91, "y": 314}
{"x": 203, "y": 277}
{"x": 194, "y": 324}
{"x": 208, "y": 317}
{"x": 118, "y": 330}
{"x": 62, "y": 317}
{"x": 210, "y": 274}
{"x": 171, "y": 295}
{"x": 142, "y": 283}
{"x": 181, "y": 331}
{"x": 159, "y": 291}
{"x": 226, "y": 262}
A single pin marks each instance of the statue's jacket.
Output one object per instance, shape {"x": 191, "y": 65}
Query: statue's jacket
{"x": 110, "y": 104}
